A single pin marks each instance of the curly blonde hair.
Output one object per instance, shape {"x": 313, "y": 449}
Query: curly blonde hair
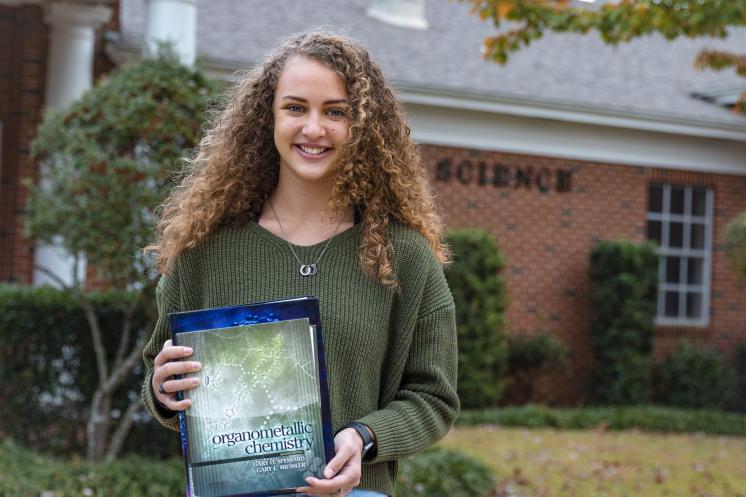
{"x": 236, "y": 166}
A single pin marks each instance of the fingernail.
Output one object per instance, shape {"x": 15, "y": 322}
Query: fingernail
{"x": 195, "y": 381}
{"x": 187, "y": 350}
{"x": 196, "y": 365}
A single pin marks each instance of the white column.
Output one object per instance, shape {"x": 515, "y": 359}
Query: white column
{"x": 69, "y": 74}
{"x": 71, "y": 48}
{"x": 175, "y": 22}
{"x": 401, "y": 13}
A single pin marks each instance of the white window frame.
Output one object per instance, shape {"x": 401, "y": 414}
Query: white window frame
{"x": 687, "y": 219}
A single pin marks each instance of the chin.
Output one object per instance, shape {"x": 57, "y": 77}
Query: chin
{"x": 314, "y": 171}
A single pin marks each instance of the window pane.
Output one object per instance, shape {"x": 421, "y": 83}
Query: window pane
{"x": 697, "y": 240}
{"x": 673, "y": 267}
{"x": 676, "y": 235}
{"x": 655, "y": 198}
{"x": 694, "y": 305}
{"x": 698, "y": 202}
{"x": 672, "y": 305}
{"x": 654, "y": 231}
{"x": 695, "y": 270}
{"x": 677, "y": 201}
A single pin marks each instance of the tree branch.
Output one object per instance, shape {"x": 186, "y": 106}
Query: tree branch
{"x": 126, "y": 332}
{"x": 119, "y": 374}
{"x": 98, "y": 344}
{"x": 125, "y": 423}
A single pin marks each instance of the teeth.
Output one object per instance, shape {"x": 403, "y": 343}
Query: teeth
{"x": 312, "y": 150}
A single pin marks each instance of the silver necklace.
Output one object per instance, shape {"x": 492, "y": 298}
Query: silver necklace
{"x": 305, "y": 269}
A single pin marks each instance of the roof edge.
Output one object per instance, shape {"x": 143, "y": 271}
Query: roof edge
{"x": 568, "y": 112}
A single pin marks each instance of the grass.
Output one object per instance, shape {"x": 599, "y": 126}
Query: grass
{"x": 645, "y": 418}
{"x": 600, "y": 463}
{"x": 527, "y": 462}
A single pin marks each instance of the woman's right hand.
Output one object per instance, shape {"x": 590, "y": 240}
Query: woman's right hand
{"x": 165, "y": 366}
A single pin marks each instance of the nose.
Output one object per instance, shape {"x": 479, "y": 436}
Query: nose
{"x": 314, "y": 126}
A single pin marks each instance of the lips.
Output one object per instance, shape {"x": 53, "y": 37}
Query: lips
{"x": 313, "y": 151}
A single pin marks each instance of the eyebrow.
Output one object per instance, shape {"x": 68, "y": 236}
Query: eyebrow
{"x": 327, "y": 102}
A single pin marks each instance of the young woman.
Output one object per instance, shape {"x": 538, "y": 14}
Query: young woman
{"x": 309, "y": 184}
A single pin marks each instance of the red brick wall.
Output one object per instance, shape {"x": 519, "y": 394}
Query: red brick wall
{"x": 546, "y": 237}
{"x": 23, "y": 59}
{"x": 24, "y": 45}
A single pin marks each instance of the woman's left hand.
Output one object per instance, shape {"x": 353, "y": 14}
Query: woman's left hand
{"x": 342, "y": 474}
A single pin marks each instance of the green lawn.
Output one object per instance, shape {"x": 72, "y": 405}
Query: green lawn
{"x": 600, "y": 463}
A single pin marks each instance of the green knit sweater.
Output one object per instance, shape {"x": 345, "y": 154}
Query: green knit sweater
{"x": 391, "y": 355}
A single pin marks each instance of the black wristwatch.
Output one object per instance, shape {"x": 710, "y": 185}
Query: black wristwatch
{"x": 365, "y": 433}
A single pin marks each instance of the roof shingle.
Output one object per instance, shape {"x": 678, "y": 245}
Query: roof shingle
{"x": 649, "y": 76}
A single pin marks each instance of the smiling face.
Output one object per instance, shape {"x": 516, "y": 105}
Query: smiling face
{"x": 310, "y": 111}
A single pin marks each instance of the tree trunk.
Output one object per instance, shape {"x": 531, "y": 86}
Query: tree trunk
{"x": 100, "y": 442}
{"x": 97, "y": 428}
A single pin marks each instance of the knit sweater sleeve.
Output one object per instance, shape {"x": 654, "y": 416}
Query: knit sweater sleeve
{"x": 168, "y": 300}
{"x": 426, "y": 404}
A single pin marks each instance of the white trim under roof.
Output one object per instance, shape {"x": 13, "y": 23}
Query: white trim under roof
{"x": 558, "y": 111}
{"x": 484, "y": 130}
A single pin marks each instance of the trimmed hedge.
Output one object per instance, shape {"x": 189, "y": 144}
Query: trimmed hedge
{"x": 434, "y": 473}
{"x": 645, "y": 418}
{"x": 481, "y": 300}
{"x": 623, "y": 298}
{"x": 48, "y": 352}
{"x": 739, "y": 402}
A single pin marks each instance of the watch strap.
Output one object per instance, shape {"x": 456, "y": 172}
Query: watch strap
{"x": 369, "y": 444}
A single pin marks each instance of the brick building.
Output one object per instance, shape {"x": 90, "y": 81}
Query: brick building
{"x": 571, "y": 143}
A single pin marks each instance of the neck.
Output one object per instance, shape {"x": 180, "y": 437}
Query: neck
{"x": 303, "y": 213}
{"x": 304, "y": 202}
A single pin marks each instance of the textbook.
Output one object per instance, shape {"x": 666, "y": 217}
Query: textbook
{"x": 259, "y": 423}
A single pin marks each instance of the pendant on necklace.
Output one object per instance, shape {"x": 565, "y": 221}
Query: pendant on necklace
{"x": 308, "y": 269}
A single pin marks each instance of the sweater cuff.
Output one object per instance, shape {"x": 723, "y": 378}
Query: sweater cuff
{"x": 397, "y": 437}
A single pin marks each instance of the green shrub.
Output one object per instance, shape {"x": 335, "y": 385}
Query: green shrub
{"x": 435, "y": 473}
{"x": 530, "y": 357}
{"x": 111, "y": 158}
{"x": 23, "y": 472}
{"x": 739, "y": 359}
{"x": 624, "y": 378}
{"x": 480, "y": 297}
{"x": 646, "y": 418}
{"x": 443, "y": 473}
{"x": 526, "y": 353}
{"x": 47, "y": 351}
{"x": 735, "y": 243}
{"x": 623, "y": 298}
{"x": 695, "y": 377}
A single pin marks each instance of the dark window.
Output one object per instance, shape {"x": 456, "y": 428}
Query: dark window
{"x": 679, "y": 220}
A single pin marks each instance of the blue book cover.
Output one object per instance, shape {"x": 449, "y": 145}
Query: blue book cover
{"x": 259, "y": 423}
